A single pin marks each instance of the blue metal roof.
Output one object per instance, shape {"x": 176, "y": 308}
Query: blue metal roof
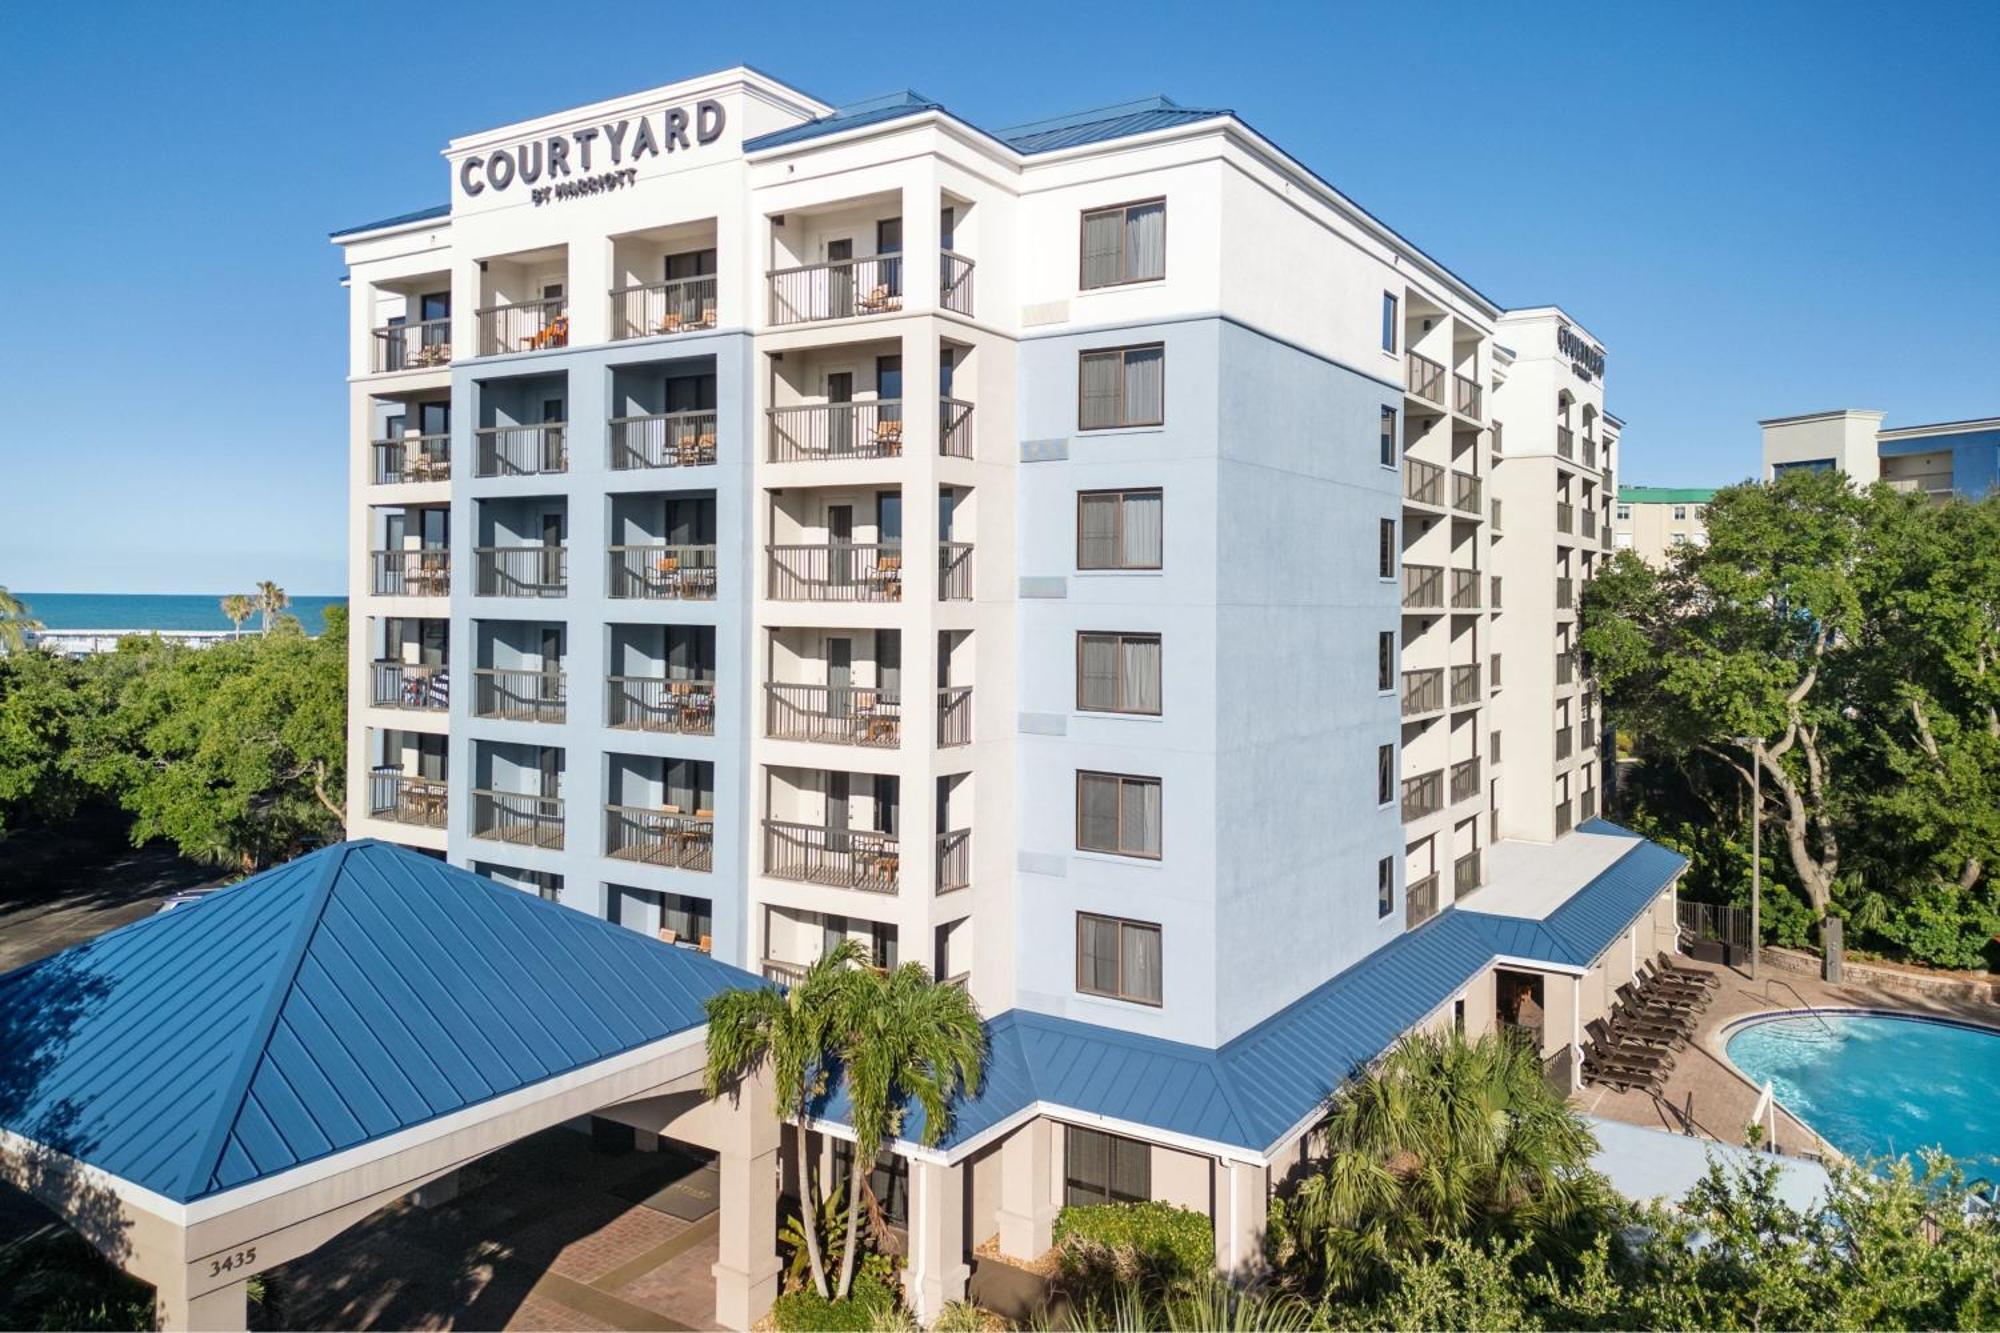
{"x": 1102, "y": 124}
{"x": 421, "y": 215}
{"x": 851, "y": 117}
{"x": 336, "y": 999}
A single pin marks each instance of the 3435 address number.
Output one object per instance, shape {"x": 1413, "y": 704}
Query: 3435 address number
{"x": 229, "y": 1263}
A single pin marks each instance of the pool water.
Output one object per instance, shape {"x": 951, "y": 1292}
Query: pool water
{"x": 1879, "y": 1085}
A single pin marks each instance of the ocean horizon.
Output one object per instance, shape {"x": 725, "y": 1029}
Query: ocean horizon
{"x": 149, "y": 611}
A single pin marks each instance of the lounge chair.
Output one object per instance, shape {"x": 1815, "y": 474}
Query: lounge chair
{"x": 1665, "y": 966}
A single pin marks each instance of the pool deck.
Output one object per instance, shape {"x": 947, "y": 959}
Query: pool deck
{"x": 1706, "y": 1096}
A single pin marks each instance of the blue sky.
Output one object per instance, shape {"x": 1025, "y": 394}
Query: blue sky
{"x": 1761, "y": 209}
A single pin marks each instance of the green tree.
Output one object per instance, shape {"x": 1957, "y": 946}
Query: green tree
{"x": 271, "y": 602}
{"x": 39, "y": 720}
{"x": 237, "y": 608}
{"x": 15, "y": 623}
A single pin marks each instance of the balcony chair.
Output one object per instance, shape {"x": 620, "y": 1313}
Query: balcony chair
{"x": 555, "y": 333}
{"x": 889, "y": 438}
{"x": 878, "y": 300}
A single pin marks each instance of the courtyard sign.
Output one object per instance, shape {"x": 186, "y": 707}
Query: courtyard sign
{"x": 593, "y": 159}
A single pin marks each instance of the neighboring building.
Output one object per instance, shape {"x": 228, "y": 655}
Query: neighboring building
{"x": 1942, "y": 460}
{"x": 773, "y": 524}
{"x": 1652, "y": 520}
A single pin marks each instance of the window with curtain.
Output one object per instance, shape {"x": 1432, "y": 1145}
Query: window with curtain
{"x": 1385, "y": 887}
{"x": 1117, "y": 958}
{"x": 1121, "y": 386}
{"x": 1125, "y": 243}
{"x": 1385, "y": 774}
{"x": 1118, "y": 673}
{"x": 1385, "y": 660}
{"x": 1118, "y": 529}
{"x": 1118, "y": 813}
{"x": 1105, "y": 1168}
{"x": 1388, "y": 454}
{"x": 1387, "y": 562}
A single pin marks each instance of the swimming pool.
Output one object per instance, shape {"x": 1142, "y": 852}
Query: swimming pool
{"x": 1876, "y": 1084}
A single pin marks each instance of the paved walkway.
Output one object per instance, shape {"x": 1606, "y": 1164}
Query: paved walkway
{"x": 545, "y": 1234}
{"x": 63, "y": 885}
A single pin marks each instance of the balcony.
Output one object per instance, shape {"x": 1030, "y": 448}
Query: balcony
{"x": 1587, "y": 804}
{"x": 1465, "y": 685}
{"x": 1493, "y": 670}
{"x": 1465, "y": 396}
{"x": 1565, "y": 668}
{"x": 833, "y": 715}
{"x": 412, "y": 571}
{"x": 419, "y": 346}
{"x": 1465, "y": 491}
{"x": 1564, "y": 743}
{"x": 954, "y": 861}
{"x": 1465, "y": 874}
{"x": 1493, "y": 507}
{"x": 659, "y": 837}
{"x": 421, "y": 687}
{"x": 518, "y": 696}
{"x": 1465, "y": 780}
{"x": 1423, "y": 795}
{"x": 526, "y": 326}
{"x": 663, "y": 439}
{"x": 1423, "y": 378}
{"x": 396, "y": 796}
{"x": 838, "y": 289}
{"x": 1465, "y": 589}
{"x": 955, "y": 283}
{"x": 1562, "y": 818}
{"x": 823, "y": 432}
{"x": 412, "y": 458}
{"x": 1423, "y": 482}
{"x": 783, "y": 973}
{"x": 1420, "y": 902}
{"x": 658, "y": 572}
{"x": 1565, "y": 442}
{"x": 684, "y": 305}
{"x": 1589, "y": 451}
{"x": 1423, "y": 691}
{"x": 1565, "y": 516}
{"x": 1565, "y": 594}
{"x": 954, "y": 428}
{"x": 520, "y": 451}
{"x": 954, "y": 716}
{"x": 835, "y": 572}
{"x": 657, "y": 703}
{"x": 1589, "y": 517}
{"x": 521, "y": 571}
{"x": 954, "y": 571}
{"x": 1423, "y": 588}
{"x": 1494, "y": 592}
{"x": 838, "y": 857}
{"x": 517, "y": 817}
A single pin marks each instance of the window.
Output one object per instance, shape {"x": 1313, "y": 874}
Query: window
{"x": 1121, "y": 386}
{"x": 1493, "y": 748}
{"x": 1118, "y": 673}
{"x": 1126, "y": 243}
{"x": 889, "y": 1179}
{"x": 1624, "y": 512}
{"x": 1389, "y": 322}
{"x": 1119, "y": 814}
{"x": 1387, "y": 562}
{"x": 1385, "y": 661}
{"x": 1621, "y": 540}
{"x": 1385, "y": 774}
{"x": 1118, "y": 529}
{"x": 1118, "y": 959}
{"x": 1680, "y": 513}
{"x": 1385, "y": 886}
{"x": 1388, "y": 455}
{"x": 1105, "y": 1168}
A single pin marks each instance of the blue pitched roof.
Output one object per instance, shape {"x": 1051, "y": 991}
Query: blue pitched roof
{"x": 1104, "y": 123}
{"x": 336, "y": 999}
{"x": 420, "y": 215}
{"x": 853, "y": 116}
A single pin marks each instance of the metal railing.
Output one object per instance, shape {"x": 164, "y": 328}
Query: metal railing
{"x": 1589, "y": 451}
{"x": 1565, "y": 593}
{"x": 663, "y": 439}
{"x": 520, "y": 696}
{"x": 520, "y": 451}
{"x": 517, "y": 817}
{"x": 954, "y": 715}
{"x": 1423, "y": 588}
{"x": 1464, "y": 684}
{"x": 395, "y": 795}
{"x": 1423, "y": 794}
{"x": 1565, "y": 442}
{"x": 1420, "y": 902}
{"x": 528, "y": 326}
{"x": 521, "y": 571}
{"x": 1465, "y": 589}
{"x": 843, "y": 858}
{"x": 818, "y": 432}
{"x": 416, "y": 346}
{"x": 659, "y": 837}
{"x": 1423, "y": 482}
{"x": 833, "y": 715}
{"x": 412, "y": 458}
{"x": 1423, "y": 691}
{"x": 954, "y": 571}
{"x": 954, "y": 861}
{"x": 955, "y": 282}
{"x": 658, "y": 572}
{"x": 1565, "y": 516}
{"x": 1465, "y": 874}
{"x": 1563, "y": 823}
{"x": 1565, "y": 742}
{"x": 1587, "y": 804}
{"x": 835, "y": 572}
{"x": 1465, "y": 490}
{"x": 1465, "y": 396}
{"x": 412, "y": 571}
{"x": 1589, "y": 517}
{"x": 658, "y": 703}
{"x": 414, "y": 685}
{"x": 1423, "y": 377}
{"x": 680, "y": 305}
{"x": 954, "y": 428}
{"x": 1465, "y": 780}
{"x": 872, "y": 285}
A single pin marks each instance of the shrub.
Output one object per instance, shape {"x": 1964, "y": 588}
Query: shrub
{"x": 1155, "y": 1243}
{"x": 870, "y": 1305}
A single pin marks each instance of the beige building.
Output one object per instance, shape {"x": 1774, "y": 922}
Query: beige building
{"x": 1651, "y": 520}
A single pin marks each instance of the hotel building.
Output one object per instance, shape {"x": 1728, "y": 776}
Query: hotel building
{"x": 1650, "y": 521}
{"x": 1095, "y": 560}
{"x": 1941, "y": 460}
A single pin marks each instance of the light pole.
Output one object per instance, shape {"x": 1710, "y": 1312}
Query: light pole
{"x": 1756, "y": 747}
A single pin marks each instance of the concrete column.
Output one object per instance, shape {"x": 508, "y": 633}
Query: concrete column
{"x": 746, "y": 1266}
{"x": 224, "y": 1310}
{"x": 1242, "y": 1194}
{"x": 937, "y": 1271}
{"x": 1027, "y": 1211}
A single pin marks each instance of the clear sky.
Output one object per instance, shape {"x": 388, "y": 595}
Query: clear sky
{"x": 1761, "y": 209}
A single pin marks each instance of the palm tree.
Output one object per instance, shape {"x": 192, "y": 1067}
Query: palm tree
{"x": 793, "y": 1032}
{"x": 905, "y": 1038}
{"x": 271, "y": 600}
{"x": 238, "y": 609}
{"x": 15, "y": 623}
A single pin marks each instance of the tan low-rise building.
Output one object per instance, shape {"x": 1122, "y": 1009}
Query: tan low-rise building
{"x": 1651, "y": 521}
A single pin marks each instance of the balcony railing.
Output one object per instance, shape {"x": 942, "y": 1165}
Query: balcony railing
{"x": 1565, "y": 593}
{"x": 833, "y": 715}
{"x": 530, "y": 326}
{"x": 1465, "y": 489}
{"x": 1465, "y": 874}
{"x": 1465, "y": 589}
{"x": 954, "y": 861}
{"x": 521, "y": 571}
{"x": 1589, "y": 451}
{"x": 1493, "y": 599}
{"x": 954, "y": 428}
{"x": 413, "y": 346}
{"x": 1565, "y": 668}
{"x": 954, "y": 717}
{"x": 1465, "y": 780}
{"x": 1423, "y": 482}
{"x": 1565, "y": 516}
{"x": 680, "y": 306}
{"x": 412, "y": 458}
{"x": 954, "y": 571}
{"x": 835, "y": 572}
{"x": 843, "y": 858}
{"x": 1423, "y": 377}
{"x": 517, "y": 817}
{"x": 1465, "y": 396}
{"x": 1589, "y": 517}
{"x": 837, "y": 290}
{"x": 420, "y": 686}
{"x": 1565, "y": 740}
{"x": 955, "y": 283}
{"x": 395, "y": 795}
{"x": 1423, "y": 588}
{"x": 819, "y": 432}
{"x": 1562, "y": 818}
{"x": 1565, "y": 442}
{"x": 663, "y": 439}
{"x": 1587, "y": 804}
{"x": 1423, "y": 691}
{"x": 662, "y": 573}
{"x": 521, "y": 451}
{"x": 1493, "y": 506}
{"x": 421, "y": 571}
{"x": 1423, "y": 795}
{"x": 1465, "y": 685}
{"x": 785, "y": 974}
{"x": 656, "y": 703}
{"x": 1493, "y": 671}
{"x": 1420, "y": 902}
{"x": 518, "y": 696}
{"x": 659, "y": 837}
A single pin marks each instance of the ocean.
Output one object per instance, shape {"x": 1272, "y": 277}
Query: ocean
{"x": 116, "y": 610}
